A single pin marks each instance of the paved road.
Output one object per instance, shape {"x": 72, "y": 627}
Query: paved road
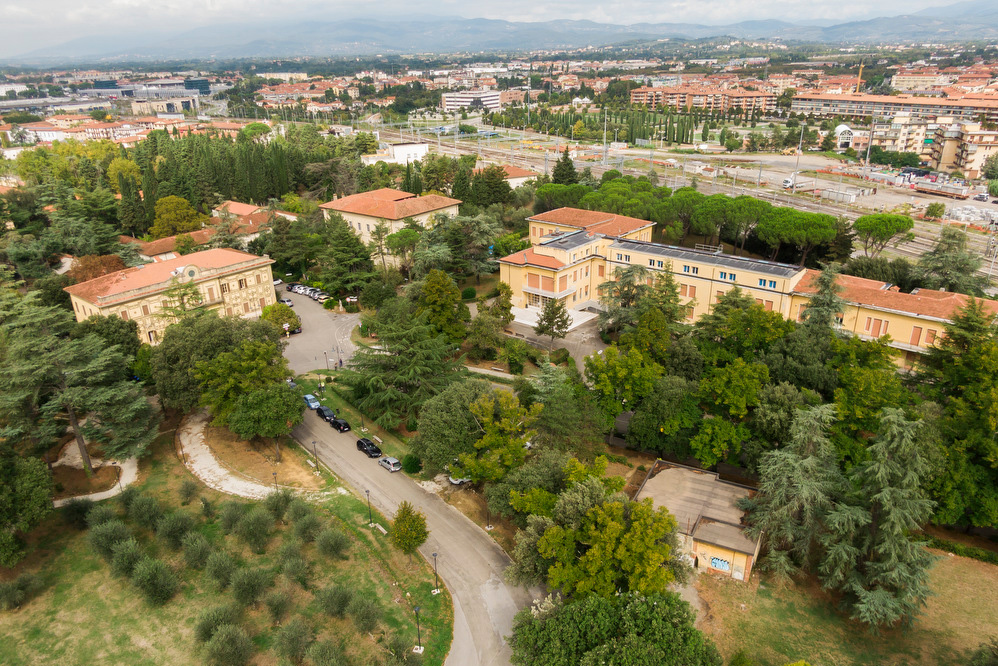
{"x": 470, "y": 563}
{"x": 322, "y": 331}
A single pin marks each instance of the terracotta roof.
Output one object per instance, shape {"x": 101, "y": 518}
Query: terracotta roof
{"x": 389, "y": 204}
{"x": 169, "y": 244}
{"x": 156, "y": 276}
{"x": 924, "y": 302}
{"x": 237, "y": 208}
{"x": 529, "y": 257}
{"x": 594, "y": 221}
{"x": 512, "y": 171}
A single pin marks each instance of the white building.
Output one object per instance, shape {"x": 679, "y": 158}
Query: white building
{"x": 471, "y": 99}
{"x": 398, "y": 153}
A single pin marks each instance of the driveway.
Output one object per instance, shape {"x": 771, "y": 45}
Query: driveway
{"x": 325, "y": 336}
{"x": 470, "y": 563}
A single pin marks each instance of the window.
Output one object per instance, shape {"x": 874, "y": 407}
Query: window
{"x": 930, "y": 336}
{"x": 263, "y": 303}
{"x": 573, "y": 256}
{"x": 152, "y": 336}
{"x": 772, "y": 284}
{"x": 145, "y": 310}
{"x": 600, "y": 268}
{"x": 619, "y": 256}
{"x": 246, "y": 307}
{"x": 660, "y": 264}
{"x": 724, "y": 276}
{"x": 731, "y": 276}
{"x": 225, "y": 287}
{"x": 627, "y": 257}
{"x": 211, "y": 293}
{"x": 124, "y": 315}
{"x": 868, "y": 321}
{"x": 686, "y": 269}
{"x": 682, "y": 290}
{"x": 762, "y": 282}
{"x": 587, "y": 271}
{"x": 368, "y": 227}
{"x": 259, "y": 279}
{"x": 228, "y": 311}
{"x": 242, "y": 284}
{"x": 768, "y": 305}
{"x": 695, "y": 270}
{"x": 651, "y": 262}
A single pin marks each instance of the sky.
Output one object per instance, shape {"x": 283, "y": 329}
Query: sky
{"x": 28, "y": 26}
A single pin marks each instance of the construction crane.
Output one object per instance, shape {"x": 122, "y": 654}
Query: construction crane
{"x": 859, "y": 77}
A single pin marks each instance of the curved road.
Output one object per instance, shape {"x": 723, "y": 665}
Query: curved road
{"x": 470, "y": 563}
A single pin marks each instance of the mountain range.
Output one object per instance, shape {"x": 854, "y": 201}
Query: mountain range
{"x": 964, "y": 21}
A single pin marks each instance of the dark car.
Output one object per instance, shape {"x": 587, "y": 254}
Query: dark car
{"x": 325, "y": 413}
{"x": 296, "y": 330}
{"x": 368, "y": 447}
{"x": 291, "y": 286}
{"x": 340, "y": 425}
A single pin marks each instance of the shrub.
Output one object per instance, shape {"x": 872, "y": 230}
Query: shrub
{"x": 155, "y": 580}
{"x": 210, "y": 619}
{"x": 230, "y": 515}
{"x": 278, "y": 603}
{"x": 296, "y": 569}
{"x": 230, "y": 646}
{"x": 196, "y": 550}
{"x": 960, "y": 549}
{"x": 219, "y": 568}
{"x": 248, "y": 585}
{"x": 126, "y": 497}
{"x": 333, "y": 543}
{"x": 173, "y": 528}
{"x": 333, "y": 600}
{"x": 207, "y": 509}
{"x": 350, "y": 307}
{"x": 104, "y": 537}
{"x": 100, "y": 514}
{"x": 298, "y": 509}
{"x": 561, "y": 356}
{"x": 254, "y": 528}
{"x": 75, "y": 511}
{"x": 13, "y": 593}
{"x": 293, "y": 639}
{"x": 365, "y": 613}
{"x": 278, "y": 502}
{"x": 307, "y": 527}
{"x": 326, "y": 653}
{"x": 145, "y": 511}
{"x": 468, "y": 294}
{"x": 412, "y": 464}
{"x": 188, "y": 491}
{"x": 125, "y": 555}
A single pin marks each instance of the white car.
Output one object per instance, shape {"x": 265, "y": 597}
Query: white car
{"x": 278, "y": 281}
{"x": 391, "y": 464}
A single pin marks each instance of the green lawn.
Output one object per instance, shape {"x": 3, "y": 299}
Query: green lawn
{"x": 778, "y": 625}
{"x": 87, "y": 616}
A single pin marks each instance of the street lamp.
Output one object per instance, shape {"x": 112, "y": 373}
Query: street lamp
{"x": 315, "y": 455}
{"x": 324, "y": 353}
{"x": 275, "y": 481}
{"x": 370, "y": 515}
{"x": 436, "y": 579}
{"x": 419, "y": 638}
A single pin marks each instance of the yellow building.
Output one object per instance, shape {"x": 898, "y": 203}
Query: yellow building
{"x": 575, "y": 251}
{"x": 230, "y": 281}
{"x": 365, "y": 210}
{"x": 710, "y": 530}
{"x": 963, "y": 147}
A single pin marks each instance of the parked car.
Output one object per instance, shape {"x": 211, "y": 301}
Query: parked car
{"x": 291, "y": 384}
{"x": 368, "y": 447}
{"x": 291, "y": 286}
{"x": 312, "y": 402}
{"x": 340, "y": 424}
{"x": 296, "y": 330}
{"x": 287, "y": 301}
{"x": 981, "y": 197}
{"x": 391, "y": 464}
{"x": 322, "y": 299}
{"x": 325, "y": 413}
{"x": 278, "y": 281}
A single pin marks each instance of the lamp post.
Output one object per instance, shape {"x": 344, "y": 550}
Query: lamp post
{"x": 275, "y": 480}
{"x": 419, "y": 638}
{"x": 436, "y": 579}
{"x": 370, "y": 515}
{"x": 324, "y": 353}
{"x": 315, "y": 455}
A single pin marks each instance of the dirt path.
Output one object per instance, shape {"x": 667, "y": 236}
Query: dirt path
{"x": 129, "y": 472}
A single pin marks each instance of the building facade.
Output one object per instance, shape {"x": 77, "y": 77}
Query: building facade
{"x": 231, "y": 282}
{"x": 365, "y": 210}
{"x": 963, "y": 147}
{"x": 887, "y": 106}
{"x": 712, "y": 99}
{"x": 490, "y": 100}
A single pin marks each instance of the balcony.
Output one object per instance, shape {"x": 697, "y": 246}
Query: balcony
{"x": 548, "y": 294}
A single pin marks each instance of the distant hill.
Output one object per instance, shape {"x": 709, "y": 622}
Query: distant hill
{"x": 972, "y": 20}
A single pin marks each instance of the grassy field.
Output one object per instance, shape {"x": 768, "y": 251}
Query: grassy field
{"x": 86, "y": 616}
{"x": 779, "y": 625}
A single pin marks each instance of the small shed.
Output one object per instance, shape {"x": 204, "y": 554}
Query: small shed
{"x": 711, "y": 528}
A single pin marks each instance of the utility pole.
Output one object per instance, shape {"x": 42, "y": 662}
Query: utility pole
{"x": 800, "y": 147}
{"x": 604, "y": 136}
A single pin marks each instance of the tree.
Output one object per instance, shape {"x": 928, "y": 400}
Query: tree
{"x": 502, "y": 307}
{"x": 114, "y": 331}
{"x": 620, "y": 380}
{"x": 123, "y": 168}
{"x": 440, "y": 299}
{"x": 950, "y": 265}
{"x": 508, "y": 244}
{"x": 378, "y": 245}
{"x": 628, "y": 630}
{"x": 877, "y": 230}
{"x": 504, "y": 429}
{"x": 667, "y": 419}
{"x": 25, "y": 500}
{"x": 489, "y": 186}
{"x": 249, "y": 367}
{"x": 402, "y": 245}
{"x": 282, "y": 316}
{"x": 271, "y": 411}
{"x": 413, "y": 365}
{"x": 564, "y": 171}
{"x": 174, "y": 215}
{"x": 94, "y": 266}
{"x": 870, "y": 555}
{"x": 989, "y": 169}
{"x": 553, "y": 320}
{"x": 446, "y": 426}
{"x": 408, "y": 529}
{"x": 935, "y": 210}
{"x": 46, "y": 375}
{"x": 734, "y": 388}
{"x": 345, "y": 267}
{"x": 825, "y": 307}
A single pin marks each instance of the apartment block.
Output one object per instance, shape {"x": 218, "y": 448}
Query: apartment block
{"x": 962, "y": 147}
{"x": 712, "y": 99}
{"x": 232, "y": 282}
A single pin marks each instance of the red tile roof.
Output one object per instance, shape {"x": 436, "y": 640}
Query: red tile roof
{"x": 389, "y": 204}
{"x": 924, "y": 302}
{"x": 594, "y": 221}
{"x": 512, "y": 171}
{"x": 154, "y": 277}
{"x": 237, "y": 208}
{"x": 529, "y": 257}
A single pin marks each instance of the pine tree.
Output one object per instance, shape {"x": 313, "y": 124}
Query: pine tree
{"x": 564, "y": 171}
{"x": 824, "y": 307}
{"x": 461, "y": 189}
{"x": 408, "y": 529}
{"x": 554, "y": 320}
